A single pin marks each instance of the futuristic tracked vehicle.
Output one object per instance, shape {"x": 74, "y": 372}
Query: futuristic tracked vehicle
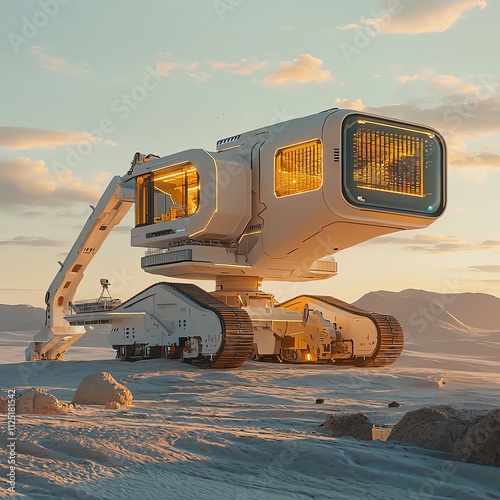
{"x": 275, "y": 203}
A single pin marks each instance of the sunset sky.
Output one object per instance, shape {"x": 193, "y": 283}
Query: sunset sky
{"x": 86, "y": 84}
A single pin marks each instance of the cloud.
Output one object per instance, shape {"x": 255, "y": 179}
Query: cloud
{"x": 486, "y": 268}
{"x": 412, "y": 17}
{"x": 29, "y": 213}
{"x": 33, "y": 241}
{"x": 465, "y": 159}
{"x": 58, "y": 64}
{"x": 356, "y": 104}
{"x": 103, "y": 177}
{"x": 65, "y": 212}
{"x": 23, "y": 138}
{"x": 434, "y": 243}
{"x": 448, "y": 84}
{"x": 304, "y": 69}
{"x": 245, "y": 66}
{"x": 163, "y": 67}
{"x": 28, "y": 183}
{"x": 461, "y": 117}
{"x": 200, "y": 77}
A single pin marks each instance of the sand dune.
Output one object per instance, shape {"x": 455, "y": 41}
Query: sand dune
{"x": 252, "y": 432}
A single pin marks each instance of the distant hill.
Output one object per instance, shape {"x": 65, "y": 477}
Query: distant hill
{"x": 417, "y": 310}
{"x": 17, "y": 318}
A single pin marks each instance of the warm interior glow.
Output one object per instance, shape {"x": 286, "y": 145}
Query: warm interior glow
{"x": 389, "y": 161}
{"x": 167, "y": 194}
{"x": 298, "y": 168}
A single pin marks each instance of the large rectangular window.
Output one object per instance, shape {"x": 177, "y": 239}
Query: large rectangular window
{"x": 167, "y": 194}
{"x": 298, "y": 168}
{"x": 392, "y": 165}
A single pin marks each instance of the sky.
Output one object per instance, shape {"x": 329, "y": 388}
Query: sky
{"x": 86, "y": 84}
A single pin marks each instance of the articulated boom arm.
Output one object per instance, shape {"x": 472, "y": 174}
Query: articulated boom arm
{"x": 57, "y": 335}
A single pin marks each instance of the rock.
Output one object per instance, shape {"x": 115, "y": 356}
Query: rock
{"x": 39, "y": 402}
{"x": 356, "y": 425}
{"x": 112, "y": 405}
{"x": 320, "y": 401}
{"x": 394, "y": 404}
{"x": 482, "y": 441}
{"x": 101, "y": 388}
{"x": 440, "y": 428}
{"x": 3, "y": 404}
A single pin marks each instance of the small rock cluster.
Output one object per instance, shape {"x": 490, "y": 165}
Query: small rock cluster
{"x": 443, "y": 428}
{"x": 36, "y": 401}
{"x": 96, "y": 389}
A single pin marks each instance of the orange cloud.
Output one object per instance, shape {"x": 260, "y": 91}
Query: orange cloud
{"x": 22, "y": 138}
{"x": 58, "y": 64}
{"x": 445, "y": 83}
{"x": 304, "y": 69}
{"x": 163, "y": 67}
{"x": 245, "y": 66}
{"x": 412, "y": 18}
{"x": 24, "y": 182}
{"x": 33, "y": 241}
{"x": 356, "y": 104}
{"x": 434, "y": 243}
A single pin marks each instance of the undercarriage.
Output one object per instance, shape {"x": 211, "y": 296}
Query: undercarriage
{"x": 223, "y": 329}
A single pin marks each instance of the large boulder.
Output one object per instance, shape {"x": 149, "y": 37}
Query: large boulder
{"x": 39, "y": 402}
{"x": 482, "y": 441}
{"x": 356, "y": 425}
{"x": 101, "y": 388}
{"x": 440, "y": 428}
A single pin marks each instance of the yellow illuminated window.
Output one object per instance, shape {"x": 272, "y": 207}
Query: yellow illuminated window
{"x": 389, "y": 160}
{"x": 298, "y": 168}
{"x": 393, "y": 166}
{"x": 167, "y": 194}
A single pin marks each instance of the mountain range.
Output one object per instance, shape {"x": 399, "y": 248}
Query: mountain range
{"x": 416, "y": 310}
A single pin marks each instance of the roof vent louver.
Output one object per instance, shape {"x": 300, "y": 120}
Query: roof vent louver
{"x": 227, "y": 140}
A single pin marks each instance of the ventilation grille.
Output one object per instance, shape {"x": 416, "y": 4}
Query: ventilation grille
{"x": 336, "y": 155}
{"x": 227, "y": 140}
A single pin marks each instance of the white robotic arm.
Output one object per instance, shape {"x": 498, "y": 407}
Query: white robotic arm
{"x": 57, "y": 335}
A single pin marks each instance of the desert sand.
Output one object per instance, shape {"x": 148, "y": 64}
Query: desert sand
{"x": 252, "y": 432}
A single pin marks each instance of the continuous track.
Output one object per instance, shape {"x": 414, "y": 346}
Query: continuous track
{"x": 390, "y": 334}
{"x": 237, "y": 329}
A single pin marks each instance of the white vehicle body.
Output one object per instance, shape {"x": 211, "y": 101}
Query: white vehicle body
{"x": 275, "y": 203}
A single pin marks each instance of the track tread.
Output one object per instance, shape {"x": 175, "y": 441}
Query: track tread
{"x": 237, "y": 329}
{"x": 390, "y": 334}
